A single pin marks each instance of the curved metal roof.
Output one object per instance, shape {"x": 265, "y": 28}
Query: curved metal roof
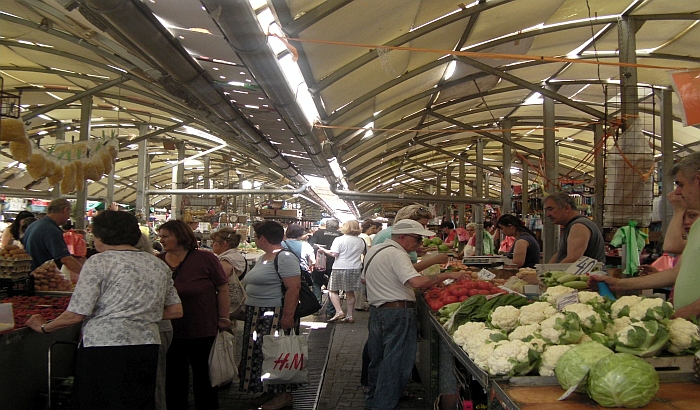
{"x": 388, "y": 113}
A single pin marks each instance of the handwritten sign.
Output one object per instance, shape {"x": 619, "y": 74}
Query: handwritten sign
{"x": 485, "y": 274}
{"x": 566, "y": 300}
{"x": 582, "y": 266}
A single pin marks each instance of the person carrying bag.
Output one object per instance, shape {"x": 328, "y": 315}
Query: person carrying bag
{"x": 285, "y": 359}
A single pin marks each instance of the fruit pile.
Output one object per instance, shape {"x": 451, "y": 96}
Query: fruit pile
{"x": 48, "y": 277}
{"x": 435, "y": 243}
{"x": 23, "y": 307}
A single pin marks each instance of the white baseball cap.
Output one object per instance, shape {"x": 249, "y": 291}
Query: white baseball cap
{"x": 409, "y": 226}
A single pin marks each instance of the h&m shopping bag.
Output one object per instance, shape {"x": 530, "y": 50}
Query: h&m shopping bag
{"x": 284, "y": 359}
{"x": 222, "y": 363}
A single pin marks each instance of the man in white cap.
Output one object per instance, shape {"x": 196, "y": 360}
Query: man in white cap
{"x": 393, "y": 326}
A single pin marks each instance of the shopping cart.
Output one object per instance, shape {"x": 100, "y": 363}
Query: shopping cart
{"x": 60, "y": 374}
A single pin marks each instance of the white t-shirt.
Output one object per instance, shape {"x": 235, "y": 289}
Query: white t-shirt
{"x": 387, "y": 274}
{"x": 350, "y": 250}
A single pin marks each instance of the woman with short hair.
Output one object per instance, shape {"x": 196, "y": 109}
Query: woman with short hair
{"x": 202, "y": 284}
{"x": 121, "y": 296}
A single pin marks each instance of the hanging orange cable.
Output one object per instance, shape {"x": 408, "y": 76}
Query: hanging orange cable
{"x": 473, "y": 54}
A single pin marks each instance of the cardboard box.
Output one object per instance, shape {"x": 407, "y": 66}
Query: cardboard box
{"x": 267, "y": 212}
{"x": 288, "y": 213}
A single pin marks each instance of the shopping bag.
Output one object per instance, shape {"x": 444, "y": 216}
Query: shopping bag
{"x": 664, "y": 262}
{"x": 222, "y": 363}
{"x": 320, "y": 261}
{"x": 284, "y": 359}
{"x": 237, "y": 298}
{"x": 308, "y": 304}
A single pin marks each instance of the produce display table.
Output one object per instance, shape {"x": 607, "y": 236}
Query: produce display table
{"x": 24, "y": 365}
{"x": 529, "y": 392}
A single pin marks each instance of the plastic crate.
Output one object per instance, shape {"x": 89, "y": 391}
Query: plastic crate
{"x": 18, "y": 287}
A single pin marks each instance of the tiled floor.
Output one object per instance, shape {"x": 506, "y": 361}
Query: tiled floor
{"x": 342, "y": 345}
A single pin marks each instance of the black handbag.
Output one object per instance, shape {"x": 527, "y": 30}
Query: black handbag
{"x": 308, "y": 304}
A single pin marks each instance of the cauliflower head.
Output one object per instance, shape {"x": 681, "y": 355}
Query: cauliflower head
{"x": 550, "y": 357}
{"x": 617, "y": 324}
{"x": 536, "y": 312}
{"x": 538, "y": 344}
{"x": 553, "y": 292}
{"x": 525, "y": 332}
{"x": 590, "y": 319}
{"x": 482, "y": 355}
{"x": 622, "y": 306}
{"x": 562, "y": 328}
{"x": 511, "y": 357}
{"x": 466, "y": 331}
{"x": 474, "y": 342}
{"x": 683, "y": 336}
{"x": 591, "y": 298}
{"x": 505, "y": 318}
{"x": 651, "y": 308}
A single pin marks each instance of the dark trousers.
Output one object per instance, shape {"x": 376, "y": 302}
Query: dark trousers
{"x": 116, "y": 377}
{"x": 182, "y": 354}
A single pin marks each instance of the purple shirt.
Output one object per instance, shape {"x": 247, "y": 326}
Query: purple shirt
{"x": 198, "y": 277}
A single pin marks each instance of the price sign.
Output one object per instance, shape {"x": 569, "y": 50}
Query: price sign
{"x": 582, "y": 266}
{"x": 485, "y": 274}
{"x": 566, "y": 300}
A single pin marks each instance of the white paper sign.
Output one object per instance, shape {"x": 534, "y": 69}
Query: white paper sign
{"x": 582, "y": 266}
{"x": 485, "y": 274}
{"x": 566, "y": 300}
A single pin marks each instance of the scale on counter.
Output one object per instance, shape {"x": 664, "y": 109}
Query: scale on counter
{"x": 483, "y": 260}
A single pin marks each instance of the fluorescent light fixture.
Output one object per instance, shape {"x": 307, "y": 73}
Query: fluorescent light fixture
{"x": 236, "y": 84}
{"x": 534, "y": 99}
{"x": 449, "y": 72}
{"x": 45, "y": 117}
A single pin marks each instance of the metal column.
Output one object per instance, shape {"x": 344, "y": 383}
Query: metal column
{"x": 478, "y": 213}
{"x": 462, "y": 191}
{"x": 549, "y": 231}
{"x": 506, "y": 181}
{"x": 599, "y": 184}
{"x": 628, "y": 74}
{"x": 206, "y": 177}
{"x": 667, "y": 156}
{"x": 525, "y": 196}
{"x": 81, "y": 196}
{"x": 142, "y": 204}
{"x": 60, "y": 137}
{"x": 177, "y": 182}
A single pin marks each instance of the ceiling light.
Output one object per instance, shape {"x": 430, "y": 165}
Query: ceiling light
{"x": 451, "y": 66}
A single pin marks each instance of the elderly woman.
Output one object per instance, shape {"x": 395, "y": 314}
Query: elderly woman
{"x": 120, "y": 299}
{"x": 487, "y": 241}
{"x": 202, "y": 284}
{"x": 347, "y": 251}
{"x": 225, "y": 246}
{"x": 268, "y": 310}
{"x": 525, "y": 251}
{"x": 12, "y": 232}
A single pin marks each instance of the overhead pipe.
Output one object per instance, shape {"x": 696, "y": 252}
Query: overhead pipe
{"x": 240, "y": 25}
{"x": 135, "y": 22}
{"x": 204, "y": 191}
{"x": 373, "y": 196}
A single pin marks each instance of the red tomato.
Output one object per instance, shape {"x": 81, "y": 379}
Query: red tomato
{"x": 447, "y": 299}
{"x": 463, "y": 298}
{"x": 484, "y": 292}
{"x": 459, "y": 291}
{"x": 473, "y": 292}
{"x": 435, "y": 304}
{"x": 470, "y": 285}
{"x": 483, "y": 285}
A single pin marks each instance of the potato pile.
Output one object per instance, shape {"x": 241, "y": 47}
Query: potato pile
{"x": 48, "y": 277}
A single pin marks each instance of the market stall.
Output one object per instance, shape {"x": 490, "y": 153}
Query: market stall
{"x": 453, "y": 373}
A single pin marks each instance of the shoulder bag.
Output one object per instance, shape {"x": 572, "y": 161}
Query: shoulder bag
{"x": 308, "y": 304}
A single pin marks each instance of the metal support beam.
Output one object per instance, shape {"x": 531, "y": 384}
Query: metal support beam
{"x": 88, "y": 93}
{"x": 155, "y": 133}
{"x": 525, "y": 189}
{"x": 462, "y": 191}
{"x": 666, "y": 156}
{"x": 81, "y": 196}
{"x": 206, "y": 178}
{"x": 142, "y": 203}
{"x": 628, "y": 74}
{"x": 550, "y": 231}
{"x": 183, "y": 159}
{"x": 599, "y": 184}
{"x": 455, "y": 156}
{"x": 178, "y": 182}
{"x": 60, "y": 137}
{"x": 478, "y": 209}
{"x": 506, "y": 181}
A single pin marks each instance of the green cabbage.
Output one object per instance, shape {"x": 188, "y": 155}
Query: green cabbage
{"x": 622, "y": 380}
{"x": 573, "y": 366}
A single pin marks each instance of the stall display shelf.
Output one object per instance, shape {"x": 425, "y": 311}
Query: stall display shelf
{"x": 536, "y": 392}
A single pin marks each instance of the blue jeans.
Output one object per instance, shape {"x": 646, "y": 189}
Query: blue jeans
{"x": 392, "y": 342}
{"x": 330, "y": 309}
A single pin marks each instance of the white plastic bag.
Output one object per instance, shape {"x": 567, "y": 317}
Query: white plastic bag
{"x": 284, "y": 359}
{"x": 222, "y": 363}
